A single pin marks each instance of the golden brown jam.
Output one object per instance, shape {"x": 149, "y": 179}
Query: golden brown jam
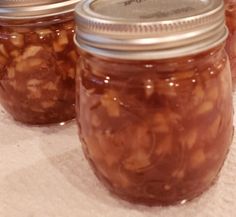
{"x": 230, "y": 8}
{"x": 156, "y": 132}
{"x": 37, "y": 69}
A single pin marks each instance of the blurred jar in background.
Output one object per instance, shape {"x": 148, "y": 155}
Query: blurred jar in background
{"x": 230, "y": 11}
{"x": 37, "y": 60}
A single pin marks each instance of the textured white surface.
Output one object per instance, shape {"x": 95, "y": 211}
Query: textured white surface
{"x": 43, "y": 174}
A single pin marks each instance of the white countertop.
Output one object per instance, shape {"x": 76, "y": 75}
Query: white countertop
{"x": 43, "y": 174}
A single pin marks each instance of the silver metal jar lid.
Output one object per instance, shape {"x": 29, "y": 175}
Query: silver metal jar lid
{"x": 149, "y": 29}
{"x": 23, "y": 9}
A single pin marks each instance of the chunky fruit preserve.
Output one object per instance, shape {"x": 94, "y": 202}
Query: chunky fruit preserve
{"x": 156, "y": 131}
{"x": 37, "y": 69}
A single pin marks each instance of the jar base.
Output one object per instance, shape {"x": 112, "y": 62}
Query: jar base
{"x": 154, "y": 202}
{"x": 48, "y": 124}
{"x": 159, "y": 202}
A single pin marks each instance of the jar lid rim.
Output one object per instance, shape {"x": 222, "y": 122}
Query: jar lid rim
{"x": 27, "y": 9}
{"x": 103, "y": 27}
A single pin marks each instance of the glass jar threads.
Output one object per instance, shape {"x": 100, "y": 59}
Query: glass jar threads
{"x": 37, "y": 60}
{"x": 154, "y": 96}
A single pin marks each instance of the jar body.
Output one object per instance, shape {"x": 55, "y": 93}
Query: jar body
{"x": 230, "y": 11}
{"x": 37, "y": 69}
{"x": 156, "y": 132}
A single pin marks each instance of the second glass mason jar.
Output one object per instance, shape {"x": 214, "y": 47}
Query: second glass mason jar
{"x": 154, "y": 99}
{"x": 230, "y": 12}
{"x": 37, "y": 60}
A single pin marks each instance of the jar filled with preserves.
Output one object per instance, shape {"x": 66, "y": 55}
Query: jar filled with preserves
{"x": 37, "y": 60}
{"x": 230, "y": 11}
{"x": 154, "y": 96}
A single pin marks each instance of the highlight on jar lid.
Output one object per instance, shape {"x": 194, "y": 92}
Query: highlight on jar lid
{"x": 20, "y": 9}
{"x": 149, "y": 29}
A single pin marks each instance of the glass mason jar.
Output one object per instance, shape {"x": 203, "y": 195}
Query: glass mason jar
{"x": 37, "y": 60}
{"x": 230, "y": 9}
{"x": 154, "y": 99}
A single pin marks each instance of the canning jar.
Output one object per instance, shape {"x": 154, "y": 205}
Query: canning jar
{"x": 37, "y": 60}
{"x": 230, "y": 11}
{"x": 154, "y": 97}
